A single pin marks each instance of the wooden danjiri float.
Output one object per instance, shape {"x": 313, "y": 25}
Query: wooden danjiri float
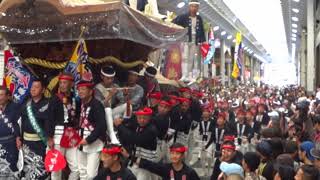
{"x": 44, "y": 33}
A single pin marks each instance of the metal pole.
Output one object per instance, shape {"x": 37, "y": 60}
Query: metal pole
{"x": 223, "y": 62}
{"x": 229, "y": 73}
{"x": 303, "y": 61}
{"x": 310, "y": 47}
{"x": 251, "y": 69}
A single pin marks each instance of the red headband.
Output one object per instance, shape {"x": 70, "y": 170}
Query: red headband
{"x": 182, "y": 100}
{"x": 65, "y": 77}
{"x": 165, "y": 103}
{"x": 228, "y": 138}
{"x": 228, "y": 147}
{"x": 112, "y": 151}
{"x": 179, "y": 149}
{"x": 173, "y": 97}
{"x": 173, "y": 101}
{"x": 198, "y": 93}
{"x": 156, "y": 95}
{"x": 144, "y": 112}
{"x": 184, "y": 90}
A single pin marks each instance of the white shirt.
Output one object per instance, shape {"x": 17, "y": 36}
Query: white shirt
{"x": 193, "y": 25}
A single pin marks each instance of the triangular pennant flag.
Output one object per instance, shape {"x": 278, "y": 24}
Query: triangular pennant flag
{"x": 54, "y": 161}
{"x": 79, "y": 63}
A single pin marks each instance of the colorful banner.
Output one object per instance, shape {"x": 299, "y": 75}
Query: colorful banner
{"x": 204, "y": 49}
{"x": 17, "y": 78}
{"x": 212, "y": 49}
{"x": 79, "y": 65}
{"x": 236, "y": 72}
{"x": 172, "y": 68}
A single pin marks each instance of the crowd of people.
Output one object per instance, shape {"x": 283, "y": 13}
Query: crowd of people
{"x": 242, "y": 132}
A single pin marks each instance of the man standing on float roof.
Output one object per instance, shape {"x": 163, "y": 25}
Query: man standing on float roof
{"x": 193, "y": 21}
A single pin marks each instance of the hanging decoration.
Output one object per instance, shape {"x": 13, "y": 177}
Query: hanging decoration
{"x": 237, "y": 65}
{"x": 205, "y": 49}
{"x": 212, "y": 49}
{"x": 17, "y": 78}
{"x": 95, "y": 61}
{"x": 172, "y": 68}
{"x": 61, "y": 65}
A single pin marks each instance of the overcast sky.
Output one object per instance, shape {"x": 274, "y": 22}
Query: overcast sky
{"x": 265, "y": 21}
